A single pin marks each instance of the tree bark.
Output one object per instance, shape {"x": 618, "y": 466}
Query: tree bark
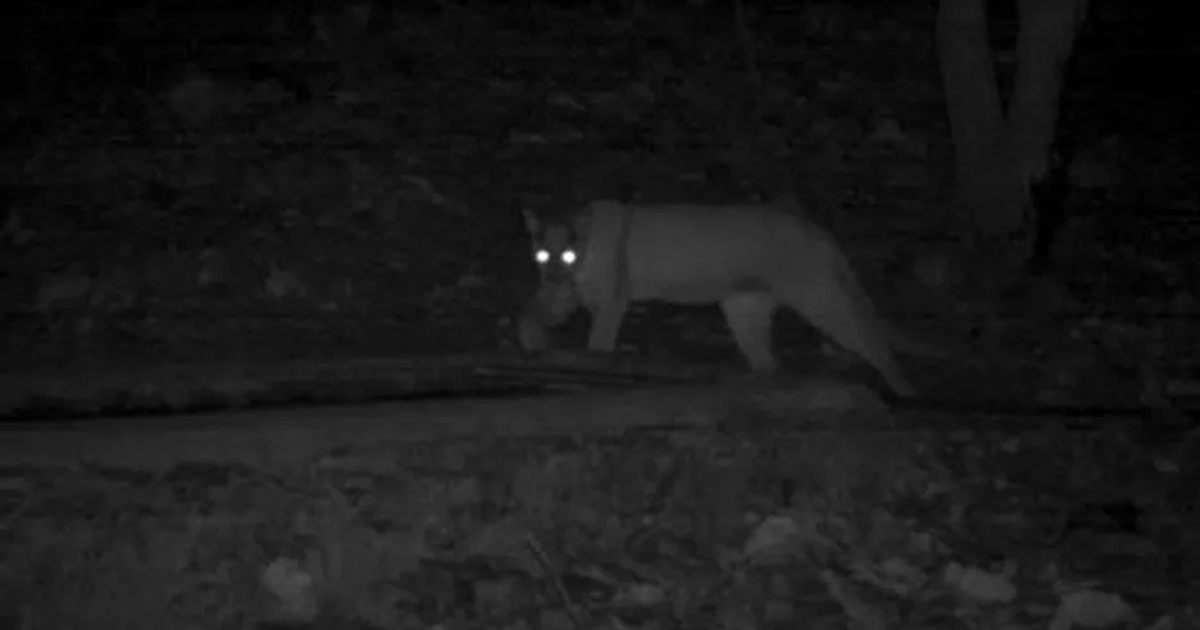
{"x": 998, "y": 156}
{"x": 972, "y": 95}
{"x": 1044, "y": 45}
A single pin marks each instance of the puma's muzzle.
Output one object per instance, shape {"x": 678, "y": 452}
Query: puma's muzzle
{"x": 553, "y": 304}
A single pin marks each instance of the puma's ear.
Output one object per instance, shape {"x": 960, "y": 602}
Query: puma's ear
{"x": 532, "y": 224}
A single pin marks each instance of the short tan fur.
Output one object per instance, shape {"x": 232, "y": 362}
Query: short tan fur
{"x": 746, "y": 258}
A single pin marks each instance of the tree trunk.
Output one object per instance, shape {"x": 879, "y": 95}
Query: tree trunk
{"x": 1044, "y": 45}
{"x": 997, "y": 157}
{"x": 972, "y": 96}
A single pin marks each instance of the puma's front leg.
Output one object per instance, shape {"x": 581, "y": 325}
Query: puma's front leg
{"x": 606, "y": 324}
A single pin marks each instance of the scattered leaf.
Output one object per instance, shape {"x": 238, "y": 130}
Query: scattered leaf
{"x": 1092, "y": 609}
{"x": 281, "y": 284}
{"x": 775, "y": 540}
{"x": 293, "y": 587}
{"x": 980, "y": 586}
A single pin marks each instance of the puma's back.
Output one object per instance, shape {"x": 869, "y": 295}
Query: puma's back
{"x": 702, "y": 254}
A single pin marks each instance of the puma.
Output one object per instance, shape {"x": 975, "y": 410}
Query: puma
{"x": 746, "y": 258}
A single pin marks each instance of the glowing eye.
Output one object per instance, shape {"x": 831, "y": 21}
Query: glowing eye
{"x": 568, "y": 257}
{"x": 542, "y": 256}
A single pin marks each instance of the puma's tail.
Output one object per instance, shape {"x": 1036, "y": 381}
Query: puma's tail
{"x": 877, "y": 349}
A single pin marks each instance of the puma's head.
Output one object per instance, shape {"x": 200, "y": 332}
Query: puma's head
{"x": 556, "y": 252}
{"x": 555, "y": 249}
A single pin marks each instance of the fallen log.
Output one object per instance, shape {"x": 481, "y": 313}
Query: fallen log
{"x": 290, "y": 437}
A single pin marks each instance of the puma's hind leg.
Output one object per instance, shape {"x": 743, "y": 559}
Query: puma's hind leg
{"x": 750, "y": 317}
{"x": 832, "y": 309}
